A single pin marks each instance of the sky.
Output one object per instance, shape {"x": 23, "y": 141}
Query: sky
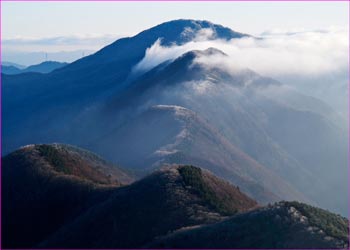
{"x": 34, "y": 28}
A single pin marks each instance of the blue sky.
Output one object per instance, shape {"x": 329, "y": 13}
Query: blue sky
{"x": 88, "y": 26}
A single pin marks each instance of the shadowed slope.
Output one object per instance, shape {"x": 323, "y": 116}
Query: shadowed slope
{"x": 166, "y": 200}
{"x": 45, "y": 186}
{"x": 283, "y": 225}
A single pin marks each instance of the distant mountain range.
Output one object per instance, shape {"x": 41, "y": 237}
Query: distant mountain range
{"x": 77, "y": 200}
{"x": 36, "y": 56}
{"x": 44, "y": 67}
{"x": 19, "y": 66}
{"x": 272, "y": 141}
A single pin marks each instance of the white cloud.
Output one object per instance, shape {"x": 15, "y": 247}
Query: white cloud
{"x": 157, "y": 53}
{"x": 276, "y": 53}
{"x": 58, "y": 43}
{"x": 204, "y": 35}
{"x": 60, "y": 40}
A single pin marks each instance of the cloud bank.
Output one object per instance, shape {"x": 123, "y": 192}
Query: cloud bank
{"x": 273, "y": 54}
{"x": 60, "y": 40}
{"x": 30, "y": 58}
{"x": 58, "y": 43}
{"x": 33, "y": 50}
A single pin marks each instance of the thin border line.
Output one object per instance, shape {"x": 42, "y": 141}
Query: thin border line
{"x": 216, "y": 1}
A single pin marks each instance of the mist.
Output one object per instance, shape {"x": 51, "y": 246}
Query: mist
{"x": 301, "y": 53}
{"x": 310, "y": 61}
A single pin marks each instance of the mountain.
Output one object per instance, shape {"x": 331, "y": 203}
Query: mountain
{"x": 283, "y": 225}
{"x": 77, "y": 200}
{"x": 48, "y": 186}
{"x": 92, "y": 78}
{"x": 166, "y": 134}
{"x": 19, "y": 66}
{"x": 296, "y": 140}
{"x": 59, "y": 188}
{"x": 164, "y": 201}
{"x": 285, "y": 134}
{"x": 44, "y": 67}
{"x": 10, "y": 70}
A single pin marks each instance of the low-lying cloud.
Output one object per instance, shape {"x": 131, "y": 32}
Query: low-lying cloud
{"x": 33, "y": 50}
{"x": 273, "y": 54}
{"x": 60, "y": 40}
{"x": 58, "y": 43}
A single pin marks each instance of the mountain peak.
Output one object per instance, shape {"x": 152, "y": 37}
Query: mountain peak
{"x": 185, "y": 30}
{"x": 200, "y": 53}
{"x": 66, "y": 161}
{"x": 166, "y": 200}
{"x": 173, "y": 32}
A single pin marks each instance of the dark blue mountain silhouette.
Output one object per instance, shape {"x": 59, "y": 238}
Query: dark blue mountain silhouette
{"x": 44, "y": 67}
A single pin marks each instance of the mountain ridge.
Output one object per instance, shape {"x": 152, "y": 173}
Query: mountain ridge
{"x": 155, "y": 211}
{"x": 237, "y": 231}
{"x": 44, "y": 68}
{"x": 49, "y": 185}
{"x": 92, "y": 99}
{"x": 185, "y": 140}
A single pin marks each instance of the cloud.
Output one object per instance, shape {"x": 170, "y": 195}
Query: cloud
{"x": 60, "y": 40}
{"x": 273, "y": 54}
{"x": 199, "y": 35}
{"x": 58, "y": 43}
{"x": 157, "y": 53}
{"x": 30, "y": 58}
